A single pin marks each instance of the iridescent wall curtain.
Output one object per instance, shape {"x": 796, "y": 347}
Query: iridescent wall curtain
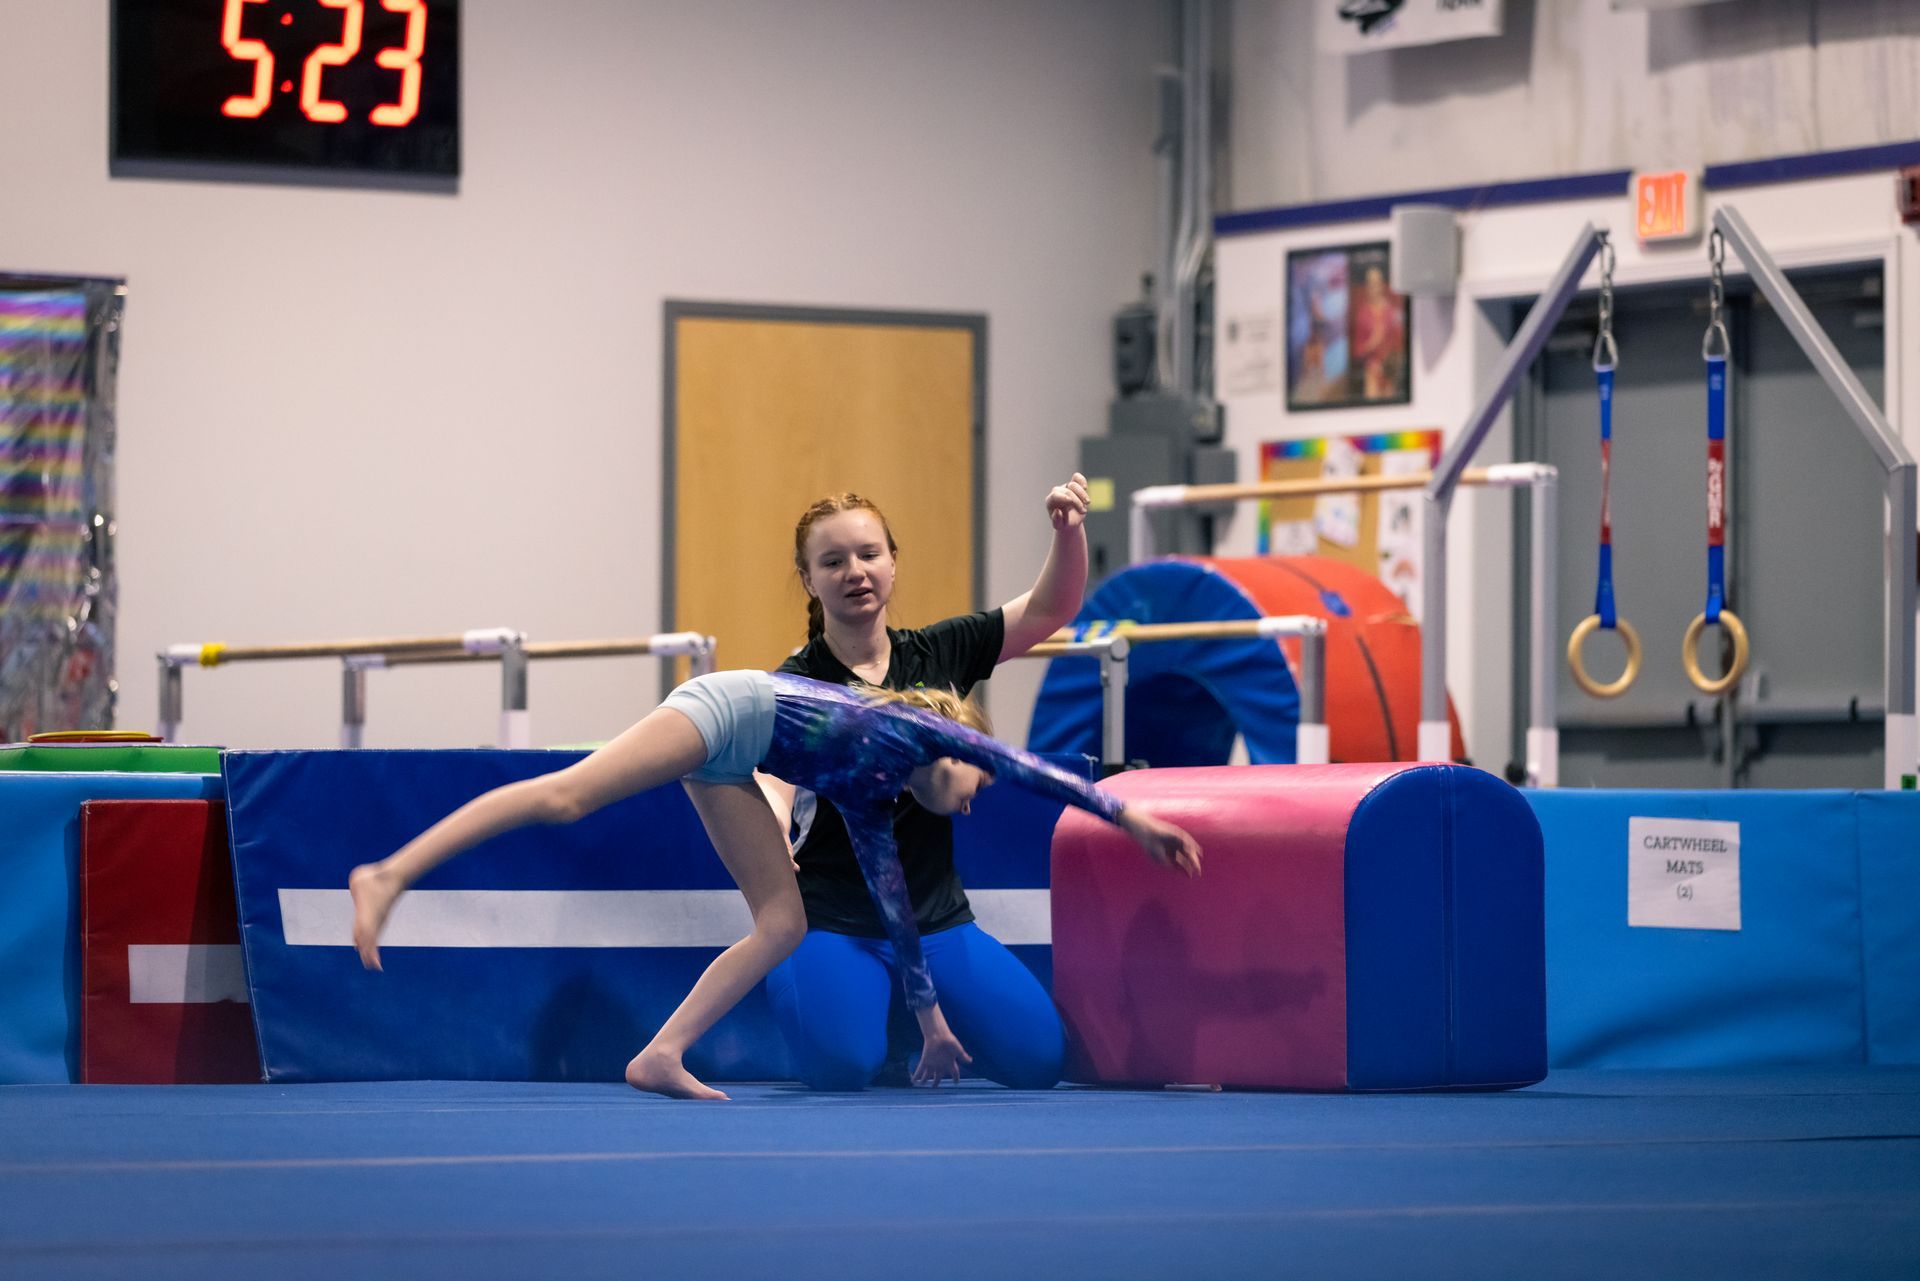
{"x": 59, "y": 356}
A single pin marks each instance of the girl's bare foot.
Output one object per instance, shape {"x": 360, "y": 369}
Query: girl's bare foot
{"x": 661, "y": 1073}
{"x": 374, "y": 892}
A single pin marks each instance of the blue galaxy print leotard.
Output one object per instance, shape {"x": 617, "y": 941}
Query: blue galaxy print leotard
{"x": 858, "y": 752}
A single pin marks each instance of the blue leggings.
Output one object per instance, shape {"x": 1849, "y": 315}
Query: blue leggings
{"x": 831, "y": 998}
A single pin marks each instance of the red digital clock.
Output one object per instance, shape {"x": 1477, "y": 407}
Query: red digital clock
{"x": 331, "y": 88}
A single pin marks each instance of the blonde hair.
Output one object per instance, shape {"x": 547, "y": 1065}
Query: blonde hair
{"x": 831, "y": 505}
{"x": 941, "y": 702}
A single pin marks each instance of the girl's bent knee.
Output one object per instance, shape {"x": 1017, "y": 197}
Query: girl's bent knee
{"x": 782, "y": 928}
{"x": 559, "y": 799}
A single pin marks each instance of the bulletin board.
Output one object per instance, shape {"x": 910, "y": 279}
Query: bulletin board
{"x": 1376, "y": 532}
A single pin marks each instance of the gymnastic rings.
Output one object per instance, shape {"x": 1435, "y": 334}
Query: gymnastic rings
{"x": 1736, "y": 631}
{"x": 1578, "y": 664}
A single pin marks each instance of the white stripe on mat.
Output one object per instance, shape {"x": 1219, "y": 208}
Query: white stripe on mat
{"x": 185, "y": 973}
{"x": 593, "y": 918}
{"x": 1014, "y": 916}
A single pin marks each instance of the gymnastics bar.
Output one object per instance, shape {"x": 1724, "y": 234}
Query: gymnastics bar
{"x": 1543, "y": 734}
{"x": 1112, "y": 647}
{"x": 1898, "y": 553}
{"x": 516, "y": 728}
{"x": 1112, "y": 652}
{"x": 175, "y": 658}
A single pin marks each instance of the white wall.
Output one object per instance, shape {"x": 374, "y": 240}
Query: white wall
{"x": 350, "y": 413}
{"x": 1571, "y": 87}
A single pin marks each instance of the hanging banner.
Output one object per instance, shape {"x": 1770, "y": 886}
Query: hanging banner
{"x": 59, "y": 357}
{"x": 1359, "y": 26}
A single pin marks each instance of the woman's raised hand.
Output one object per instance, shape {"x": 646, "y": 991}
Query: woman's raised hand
{"x": 1067, "y": 503}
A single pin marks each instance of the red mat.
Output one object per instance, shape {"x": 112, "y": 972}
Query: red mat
{"x": 163, "y": 989}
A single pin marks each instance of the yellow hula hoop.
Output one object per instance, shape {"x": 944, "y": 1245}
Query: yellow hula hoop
{"x": 1734, "y": 628}
{"x": 1603, "y": 689}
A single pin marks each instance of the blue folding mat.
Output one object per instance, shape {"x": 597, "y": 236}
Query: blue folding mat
{"x": 551, "y": 953}
{"x": 40, "y": 911}
{"x": 1888, "y": 824}
{"x": 1819, "y": 965}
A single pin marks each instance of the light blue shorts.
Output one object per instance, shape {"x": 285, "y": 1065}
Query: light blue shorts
{"x": 734, "y": 713}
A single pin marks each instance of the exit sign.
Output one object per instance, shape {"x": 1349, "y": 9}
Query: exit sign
{"x": 1666, "y": 205}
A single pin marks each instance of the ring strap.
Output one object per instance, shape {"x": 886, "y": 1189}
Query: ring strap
{"x": 1716, "y": 487}
{"x": 1603, "y": 591}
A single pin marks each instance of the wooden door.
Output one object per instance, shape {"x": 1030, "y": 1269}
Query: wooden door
{"x": 767, "y": 410}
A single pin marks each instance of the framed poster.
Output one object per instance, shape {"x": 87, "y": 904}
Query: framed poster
{"x": 1347, "y": 331}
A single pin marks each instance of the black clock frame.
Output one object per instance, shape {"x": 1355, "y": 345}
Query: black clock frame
{"x": 159, "y": 65}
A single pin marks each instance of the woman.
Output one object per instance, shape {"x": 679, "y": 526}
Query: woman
{"x": 713, "y": 732}
{"x": 831, "y": 996}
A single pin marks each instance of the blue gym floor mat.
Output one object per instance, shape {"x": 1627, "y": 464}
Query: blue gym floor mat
{"x": 1787, "y": 1172}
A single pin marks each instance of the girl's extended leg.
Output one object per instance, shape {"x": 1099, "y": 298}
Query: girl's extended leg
{"x": 663, "y": 746}
{"x": 749, "y": 841}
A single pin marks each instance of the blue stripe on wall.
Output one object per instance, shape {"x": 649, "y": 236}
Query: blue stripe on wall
{"x": 1821, "y": 164}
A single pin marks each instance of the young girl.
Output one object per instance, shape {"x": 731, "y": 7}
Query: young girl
{"x": 859, "y": 751}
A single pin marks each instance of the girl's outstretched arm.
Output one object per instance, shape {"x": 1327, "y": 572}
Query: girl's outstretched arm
{"x": 1164, "y": 843}
{"x": 871, "y": 832}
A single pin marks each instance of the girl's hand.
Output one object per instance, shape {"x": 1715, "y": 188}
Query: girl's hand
{"x": 1067, "y": 504}
{"x": 942, "y": 1054}
{"x": 1164, "y": 843}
